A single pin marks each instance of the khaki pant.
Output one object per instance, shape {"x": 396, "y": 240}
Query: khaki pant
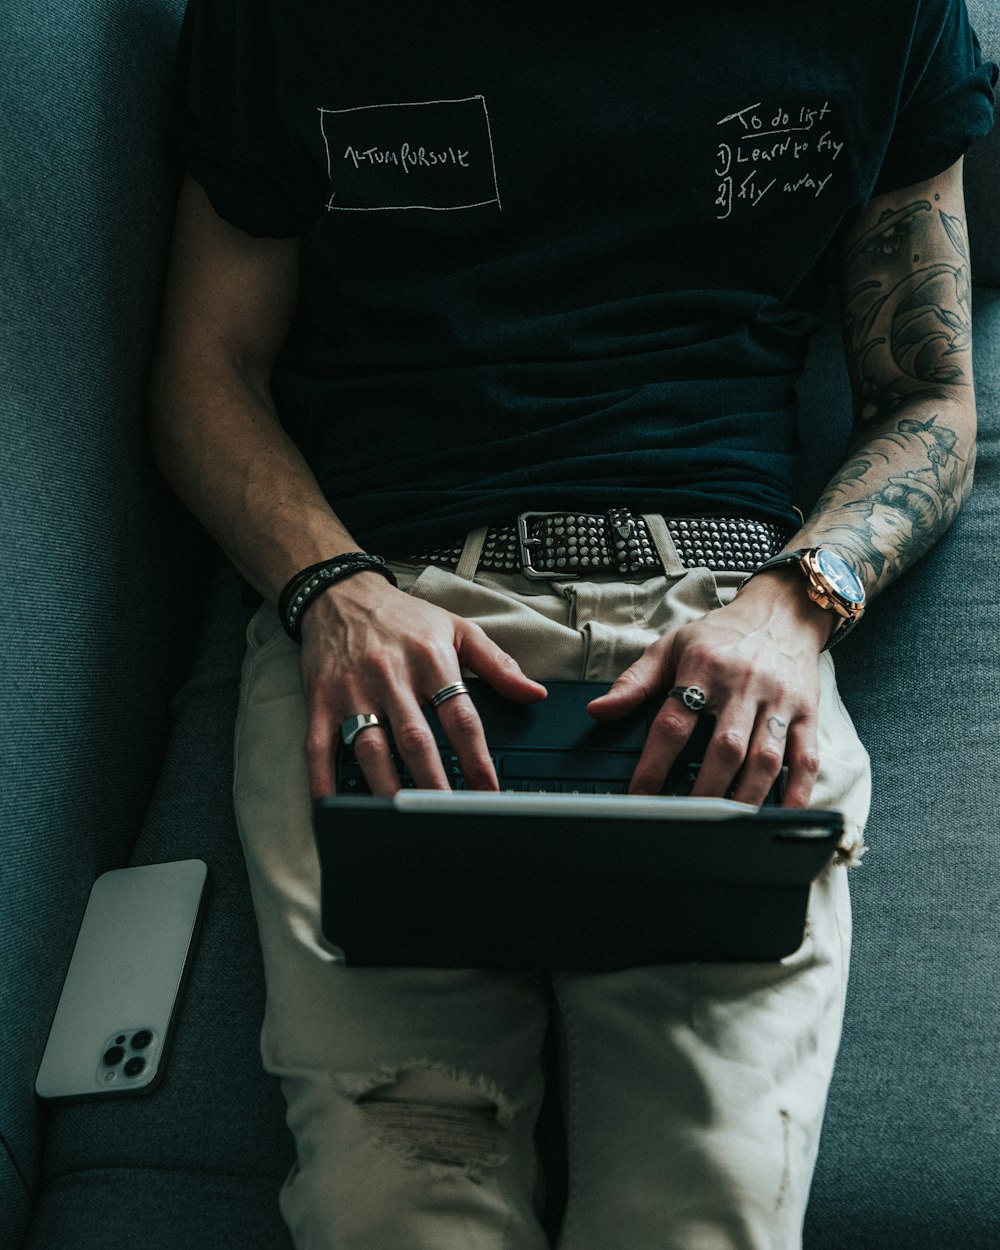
{"x": 693, "y": 1094}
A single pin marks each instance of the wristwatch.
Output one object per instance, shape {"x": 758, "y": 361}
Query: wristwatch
{"x": 830, "y": 582}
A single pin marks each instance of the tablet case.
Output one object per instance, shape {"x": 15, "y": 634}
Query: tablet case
{"x": 432, "y": 879}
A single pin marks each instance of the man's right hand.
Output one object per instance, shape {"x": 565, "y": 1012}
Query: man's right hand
{"x": 367, "y": 647}
{"x": 370, "y": 648}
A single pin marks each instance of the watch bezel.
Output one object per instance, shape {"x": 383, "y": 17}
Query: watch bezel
{"x": 821, "y": 588}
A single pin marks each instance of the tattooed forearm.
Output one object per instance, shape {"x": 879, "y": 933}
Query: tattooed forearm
{"x": 907, "y": 333}
{"x": 907, "y": 307}
{"x": 896, "y": 495}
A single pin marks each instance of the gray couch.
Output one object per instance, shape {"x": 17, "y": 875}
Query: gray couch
{"x": 120, "y": 638}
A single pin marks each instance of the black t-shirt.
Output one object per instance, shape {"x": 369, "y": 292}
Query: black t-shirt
{"x": 560, "y": 256}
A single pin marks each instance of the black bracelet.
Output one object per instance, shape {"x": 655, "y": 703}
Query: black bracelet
{"x": 303, "y": 588}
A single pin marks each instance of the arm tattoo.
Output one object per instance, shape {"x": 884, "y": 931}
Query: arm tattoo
{"x": 883, "y": 519}
{"x": 907, "y": 331}
{"x": 907, "y": 322}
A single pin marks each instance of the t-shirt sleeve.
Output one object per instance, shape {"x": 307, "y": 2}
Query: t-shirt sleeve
{"x": 226, "y": 128}
{"x": 947, "y": 97}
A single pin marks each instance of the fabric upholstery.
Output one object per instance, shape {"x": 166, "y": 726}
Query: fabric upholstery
{"x": 92, "y": 552}
{"x": 214, "y": 1129}
{"x": 909, "y": 1149}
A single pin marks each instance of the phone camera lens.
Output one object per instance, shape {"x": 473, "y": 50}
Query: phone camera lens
{"x": 141, "y": 1039}
{"x": 134, "y": 1066}
{"x": 113, "y": 1055}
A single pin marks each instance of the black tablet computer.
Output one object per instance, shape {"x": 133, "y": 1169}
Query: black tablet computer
{"x": 582, "y": 882}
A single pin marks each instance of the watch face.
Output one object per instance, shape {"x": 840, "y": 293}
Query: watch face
{"x": 841, "y": 577}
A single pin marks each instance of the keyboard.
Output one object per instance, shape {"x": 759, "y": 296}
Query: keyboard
{"x": 538, "y": 772}
{"x": 553, "y": 747}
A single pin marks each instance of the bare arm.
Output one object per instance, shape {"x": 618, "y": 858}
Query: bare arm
{"x": 366, "y": 646}
{"x": 216, "y": 436}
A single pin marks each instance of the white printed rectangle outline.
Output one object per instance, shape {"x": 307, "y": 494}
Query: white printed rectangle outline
{"x": 396, "y": 208}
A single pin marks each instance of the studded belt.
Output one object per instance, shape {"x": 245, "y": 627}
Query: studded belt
{"x": 556, "y": 545}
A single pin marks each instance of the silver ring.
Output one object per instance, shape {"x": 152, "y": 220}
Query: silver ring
{"x": 350, "y": 728}
{"x": 693, "y": 697}
{"x": 449, "y": 692}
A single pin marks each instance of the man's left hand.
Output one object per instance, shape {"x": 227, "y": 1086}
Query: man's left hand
{"x": 757, "y": 660}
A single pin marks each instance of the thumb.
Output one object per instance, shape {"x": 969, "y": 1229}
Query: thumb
{"x": 480, "y": 654}
{"x": 639, "y": 682}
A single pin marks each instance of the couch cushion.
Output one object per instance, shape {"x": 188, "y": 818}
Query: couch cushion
{"x": 157, "y": 1209}
{"x": 215, "y": 1125}
{"x": 909, "y": 1150}
{"x": 99, "y": 600}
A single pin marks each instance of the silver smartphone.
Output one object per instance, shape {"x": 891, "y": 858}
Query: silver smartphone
{"x": 112, "y": 1024}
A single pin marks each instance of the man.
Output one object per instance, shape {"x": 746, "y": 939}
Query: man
{"x": 434, "y": 270}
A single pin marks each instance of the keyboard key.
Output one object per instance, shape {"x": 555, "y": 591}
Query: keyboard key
{"x": 541, "y": 766}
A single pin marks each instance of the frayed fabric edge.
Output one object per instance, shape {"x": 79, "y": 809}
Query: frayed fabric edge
{"x": 362, "y": 1086}
{"x": 435, "y": 1135}
{"x": 851, "y": 851}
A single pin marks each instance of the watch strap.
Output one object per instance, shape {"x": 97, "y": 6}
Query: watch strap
{"x": 783, "y": 557}
{"x": 844, "y": 624}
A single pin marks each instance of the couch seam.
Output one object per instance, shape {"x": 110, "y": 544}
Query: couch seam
{"x": 147, "y": 1167}
{"x": 28, "y": 1191}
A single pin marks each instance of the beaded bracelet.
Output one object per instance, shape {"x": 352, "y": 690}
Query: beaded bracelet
{"x": 303, "y": 588}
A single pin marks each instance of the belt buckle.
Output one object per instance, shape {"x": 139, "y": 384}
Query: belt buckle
{"x": 524, "y": 541}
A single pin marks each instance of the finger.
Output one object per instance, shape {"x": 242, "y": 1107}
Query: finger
{"x": 371, "y": 750}
{"x": 802, "y": 758}
{"x": 321, "y": 747}
{"x": 478, "y": 653}
{"x": 668, "y": 732}
{"x": 370, "y": 747}
{"x": 726, "y": 751}
{"x": 415, "y": 742}
{"x": 323, "y": 741}
{"x": 639, "y": 682}
{"x": 464, "y": 730}
{"x": 764, "y": 759}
